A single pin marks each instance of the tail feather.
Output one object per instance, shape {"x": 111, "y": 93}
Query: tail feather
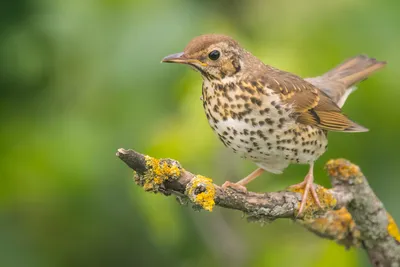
{"x": 339, "y": 82}
{"x": 354, "y": 70}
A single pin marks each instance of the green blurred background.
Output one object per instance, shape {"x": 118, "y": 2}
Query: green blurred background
{"x": 80, "y": 79}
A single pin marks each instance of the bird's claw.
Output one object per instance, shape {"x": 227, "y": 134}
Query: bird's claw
{"x": 308, "y": 186}
{"x": 235, "y": 186}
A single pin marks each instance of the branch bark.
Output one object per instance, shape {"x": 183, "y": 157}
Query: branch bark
{"x": 351, "y": 214}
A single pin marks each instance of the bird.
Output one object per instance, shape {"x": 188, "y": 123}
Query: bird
{"x": 269, "y": 116}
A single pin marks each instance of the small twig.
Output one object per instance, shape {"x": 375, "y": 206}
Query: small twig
{"x": 372, "y": 227}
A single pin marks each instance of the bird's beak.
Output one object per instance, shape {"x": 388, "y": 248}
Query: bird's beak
{"x": 181, "y": 58}
{"x": 175, "y": 58}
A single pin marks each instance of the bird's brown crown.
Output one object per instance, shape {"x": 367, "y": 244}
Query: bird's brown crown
{"x": 203, "y": 43}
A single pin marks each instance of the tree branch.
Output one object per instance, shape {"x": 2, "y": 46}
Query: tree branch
{"x": 351, "y": 213}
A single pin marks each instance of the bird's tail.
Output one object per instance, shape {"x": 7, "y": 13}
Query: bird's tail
{"x": 354, "y": 70}
{"x": 340, "y": 81}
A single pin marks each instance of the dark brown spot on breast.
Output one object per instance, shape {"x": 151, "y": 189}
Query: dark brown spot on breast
{"x": 269, "y": 121}
{"x": 249, "y": 90}
{"x": 244, "y": 97}
{"x": 256, "y": 101}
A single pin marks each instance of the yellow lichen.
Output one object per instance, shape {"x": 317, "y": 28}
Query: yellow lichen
{"x": 325, "y": 197}
{"x": 337, "y": 225}
{"x": 344, "y": 169}
{"x": 157, "y": 172}
{"x": 201, "y": 191}
{"x": 392, "y": 228}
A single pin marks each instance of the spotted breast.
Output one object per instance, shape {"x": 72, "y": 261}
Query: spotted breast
{"x": 251, "y": 119}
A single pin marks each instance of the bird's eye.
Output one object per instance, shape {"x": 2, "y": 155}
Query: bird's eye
{"x": 214, "y": 55}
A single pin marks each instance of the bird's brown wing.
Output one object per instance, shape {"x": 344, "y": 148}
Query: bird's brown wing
{"x": 311, "y": 105}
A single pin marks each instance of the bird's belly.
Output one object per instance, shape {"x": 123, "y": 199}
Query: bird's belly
{"x": 272, "y": 147}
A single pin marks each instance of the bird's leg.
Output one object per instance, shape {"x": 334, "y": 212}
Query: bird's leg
{"x": 251, "y": 177}
{"x": 241, "y": 184}
{"x": 307, "y": 185}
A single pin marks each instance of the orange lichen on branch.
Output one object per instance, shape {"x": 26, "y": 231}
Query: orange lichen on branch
{"x": 392, "y": 228}
{"x": 344, "y": 170}
{"x": 325, "y": 197}
{"x": 337, "y": 225}
{"x": 201, "y": 191}
{"x": 158, "y": 171}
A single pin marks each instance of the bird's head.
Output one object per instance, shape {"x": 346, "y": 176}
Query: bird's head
{"x": 214, "y": 56}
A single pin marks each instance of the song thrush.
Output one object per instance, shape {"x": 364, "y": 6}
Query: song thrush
{"x": 270, "y": 116}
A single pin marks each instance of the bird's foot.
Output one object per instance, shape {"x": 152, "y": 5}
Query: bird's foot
{"x": 236, "y": 186}
{"x": 308, "y": 186}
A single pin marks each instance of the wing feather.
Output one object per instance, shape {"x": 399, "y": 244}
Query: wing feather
{"x": 312, "y": 106}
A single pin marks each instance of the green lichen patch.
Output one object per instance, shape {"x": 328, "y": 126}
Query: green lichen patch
{"x": 201, "y": 191}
